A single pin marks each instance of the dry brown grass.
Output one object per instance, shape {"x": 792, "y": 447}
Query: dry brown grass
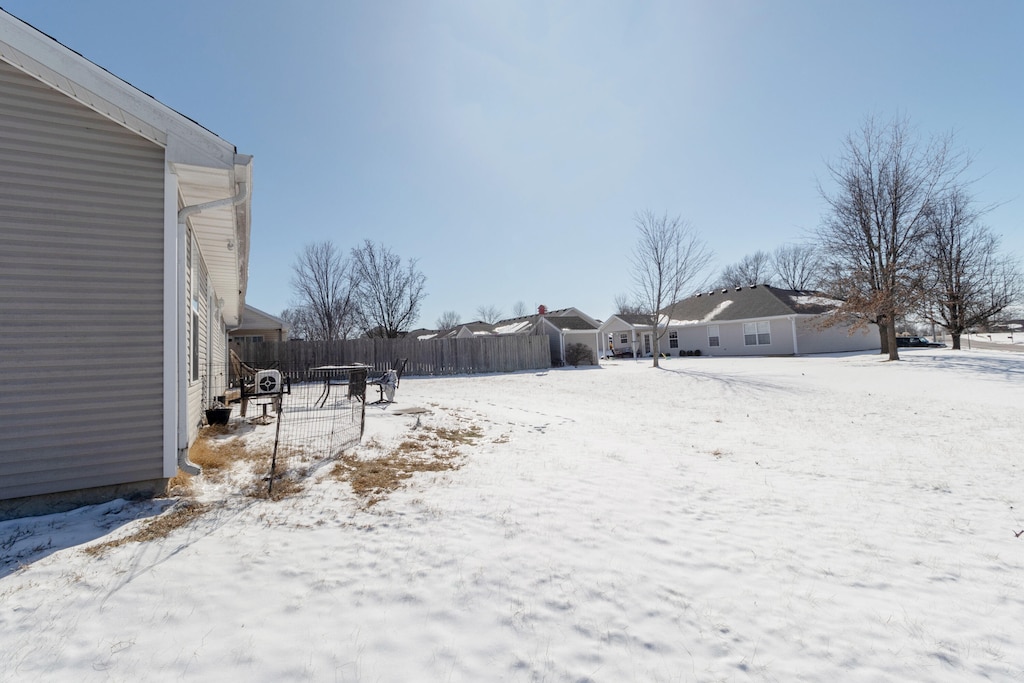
{"x": 216, "y": 456}
{"x": 432, "y": 449}
{"x": 158, "y": 527}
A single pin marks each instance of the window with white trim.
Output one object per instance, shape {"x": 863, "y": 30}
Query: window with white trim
{"x": 713, "y": 339}
{"x": 624, "y": 338}
{"x": 673, "y": 340}
{"x": 757, "y": 334}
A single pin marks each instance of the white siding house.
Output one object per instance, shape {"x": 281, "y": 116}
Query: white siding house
{"x": 124, "y": 236}
{"x": 760, "y": 320}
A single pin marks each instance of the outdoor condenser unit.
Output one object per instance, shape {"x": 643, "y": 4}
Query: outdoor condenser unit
{"x": 269, "y": 382}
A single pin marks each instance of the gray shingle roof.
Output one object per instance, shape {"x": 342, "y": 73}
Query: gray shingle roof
{"x": 570, "y": 322}
{"x": 744, "y": 303}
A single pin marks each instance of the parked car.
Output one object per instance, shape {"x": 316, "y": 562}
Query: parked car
{"x": 918, "y": 342}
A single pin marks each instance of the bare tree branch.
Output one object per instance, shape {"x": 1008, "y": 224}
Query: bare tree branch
{"x": 489, "y": 314}
{"x": 388, "y": 294}
{"x": 752, "y": 269}
{"x": 324, "y": 307}
{"x": 971, "y": 283}
{"x": 797, "y": 266}
{"x": 872, "y": 236}
{"x": 668, "y": 258}
{"x": 448, "y": 320}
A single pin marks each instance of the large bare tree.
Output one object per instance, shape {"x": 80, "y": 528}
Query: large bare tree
{"x": 872, "y": 236}
{"x": 388, "y": 294}
{"x": 323, "y": 307}
{"x": 752, "y": 269}
{"x": 625, "y": 305}
{"x": 972, "y": 283}
{"x": 669, "y": 260}
{"x": 448, "y": 320}
{"x": 489, "y": 314}
{"x": 797, "y": 266}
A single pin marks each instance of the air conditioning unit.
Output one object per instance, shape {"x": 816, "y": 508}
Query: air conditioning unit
{"x": 269, "y": 382}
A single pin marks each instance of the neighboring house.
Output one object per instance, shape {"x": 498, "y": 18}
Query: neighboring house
{"x": 743, "y": 321}
{"x": 258, "y": 326}
{"x": 124, "y": 239}
{"x": 563, "y": 327}
{"x": 628, "y": 334}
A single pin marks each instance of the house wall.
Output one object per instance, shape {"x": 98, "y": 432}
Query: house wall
{"x": 616, "y": 329}
{"x": 269, "y": 334}
{"x": 813, "y": 339}
{"x": 81, "y": 297}
{"x": 588, "y": 337}
{"x": 207, "y": 358}
{"x": 731, "y": 339}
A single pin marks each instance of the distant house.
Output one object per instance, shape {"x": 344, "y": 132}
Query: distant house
{"x": 258, "y": 326}
{"x": 124, "y": 242}
{"x": 744, "y": 321}
{"x": 563, "y": 327}
{"x": 628, "y": 335}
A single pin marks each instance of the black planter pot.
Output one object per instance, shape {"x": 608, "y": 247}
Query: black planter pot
{"x": 218, "y": 416}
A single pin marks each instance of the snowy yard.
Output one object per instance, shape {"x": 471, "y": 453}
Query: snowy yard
{"x": 760, "y": 519}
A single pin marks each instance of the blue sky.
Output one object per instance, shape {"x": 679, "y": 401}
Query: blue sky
{"x": 507, "y": 145}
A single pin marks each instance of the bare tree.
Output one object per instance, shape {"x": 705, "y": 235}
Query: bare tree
{"x": 797, "y": 266}
{"x": 668, "y": 258}
{"x": 489, "y": 314}
{"x": 624, "y": 305}
{"x": 300, "y": 323}
{"x": 752, "y": 269}
{"x": 448, "y": 320}
{"x": 388, "y": 294}
{"x": 972, "y": 284}
{"x": 324, "y": 306}
{"x": 872, "y": 235}
{"x": 519, "y": 310}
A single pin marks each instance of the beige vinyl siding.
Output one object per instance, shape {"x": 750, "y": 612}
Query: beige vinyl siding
{"x": 198, "y": 296}
{"x": 218, "y": 368}
{"x": 81, "y": 296}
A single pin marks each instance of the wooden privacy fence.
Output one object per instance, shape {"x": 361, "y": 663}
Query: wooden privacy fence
{"x": 429, "y": 357}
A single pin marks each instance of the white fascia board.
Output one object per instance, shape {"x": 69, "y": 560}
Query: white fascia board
{"x": 63, "y": 69}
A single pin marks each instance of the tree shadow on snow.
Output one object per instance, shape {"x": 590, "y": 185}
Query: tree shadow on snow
{"x": 996, "y": 364}
{"x": 733, "y": 382}
{"x": 30, "y": 539}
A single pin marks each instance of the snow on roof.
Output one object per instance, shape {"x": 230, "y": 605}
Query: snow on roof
{"x": 513, "y": 327}
{"x": 814, "y": 300}
{"x": 714, "y": 313}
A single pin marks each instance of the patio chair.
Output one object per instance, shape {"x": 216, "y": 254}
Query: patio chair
{"x": 388, "y": 382}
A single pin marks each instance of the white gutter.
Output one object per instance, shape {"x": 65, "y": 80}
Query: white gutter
{"x": 240, "y": 196}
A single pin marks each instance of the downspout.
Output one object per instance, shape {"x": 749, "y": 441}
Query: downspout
{"x": 183, "y": 214}
{"x": 796, "y": 348}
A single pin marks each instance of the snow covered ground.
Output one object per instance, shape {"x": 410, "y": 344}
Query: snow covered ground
{"x": 753, "y": 519}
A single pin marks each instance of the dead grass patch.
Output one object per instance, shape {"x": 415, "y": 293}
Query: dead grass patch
{"x": 430, "y": 449}
{"x": 158, "y": 527}
{"x": 287, "y": 482}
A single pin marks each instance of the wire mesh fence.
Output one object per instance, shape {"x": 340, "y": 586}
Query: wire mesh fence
{"x": 319, "y": 411}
